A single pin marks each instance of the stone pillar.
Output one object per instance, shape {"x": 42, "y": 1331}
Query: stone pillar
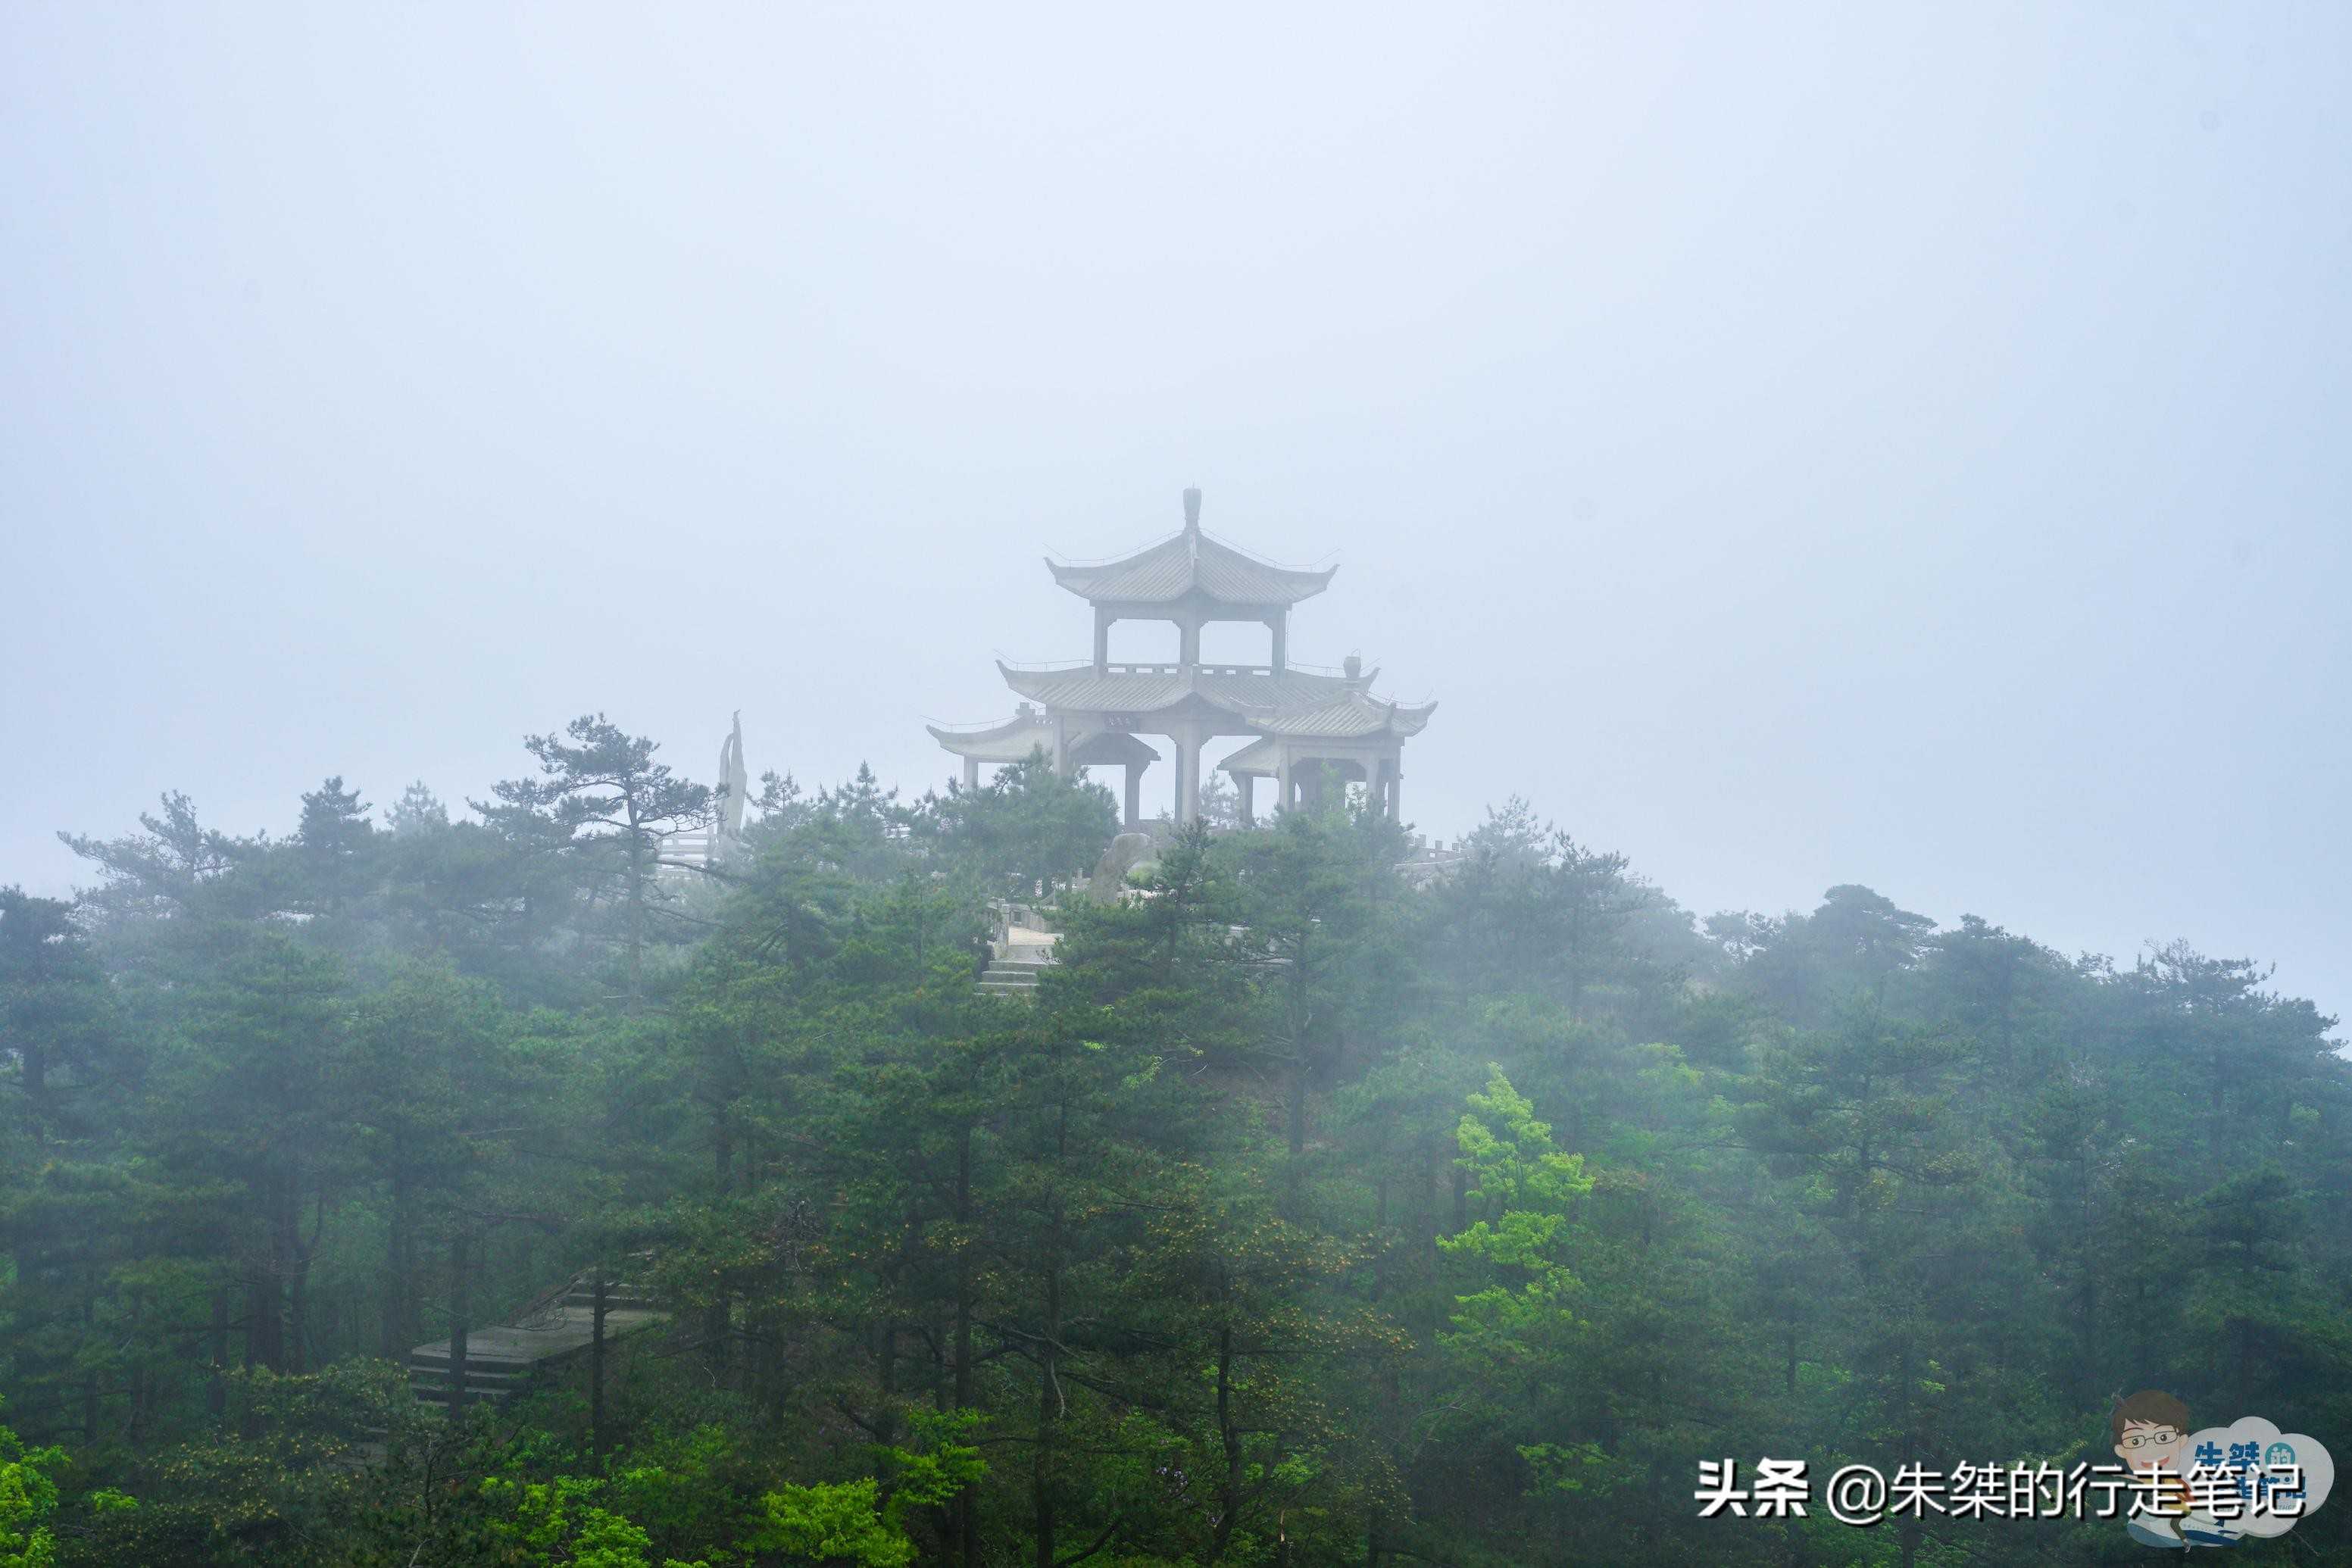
{"x": 1312, "y": 788}
{"x": 1188, "y": 771}
{"x": 1061, "y": 745}
{"x": 1134, "y": 794}
{"x": 1376, "y": 787}
{"x": 972, "y": 772}
{"x": 1246, "y": 790}
{"x": 1187, "y": 647}
{"x": 1281, "y": 626}
{"x": 1396, "y": 793}
{"x": 1282, "y": 780}
{"x": 1103, "y": 619}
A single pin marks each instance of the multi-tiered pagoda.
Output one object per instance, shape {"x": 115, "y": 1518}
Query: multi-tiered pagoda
{"x": 1311, "y": 731}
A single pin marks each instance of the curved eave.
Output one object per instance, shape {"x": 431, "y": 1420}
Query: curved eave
{"x": 1088, "y": 583}
{"x": 1000, "y": 747}
{"x": 1356, "y": 718}
{"x": 1000, "y": 756}
{"x": 1017, "y": 741}
{"x": 1411, "y": 721}
{"x": 962, "y": 742}
{"x": 1173, "y": 570}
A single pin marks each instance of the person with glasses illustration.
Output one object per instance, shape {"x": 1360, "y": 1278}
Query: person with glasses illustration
{"x": 2151, "y": 1431}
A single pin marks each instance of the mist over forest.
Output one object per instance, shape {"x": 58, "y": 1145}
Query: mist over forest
{"x": 1326, "y": 1198}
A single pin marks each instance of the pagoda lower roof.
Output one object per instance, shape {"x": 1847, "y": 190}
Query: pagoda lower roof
{"x": 1353, "y": 715}
{"x": 1189, "y": 562}
{"x": 1244, "y": 691}
{"x": 1023, "y": 735}
{"x": 1259, "y": 759}
{"x": 1293, "y": 704}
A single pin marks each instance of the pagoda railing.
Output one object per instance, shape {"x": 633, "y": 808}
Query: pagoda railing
{"x": 1166, "y": 667}
{"x": 1180, "y": 669}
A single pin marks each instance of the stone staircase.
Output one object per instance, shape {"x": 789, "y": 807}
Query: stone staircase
{"x": 501, "y": 1359}
{"x": 1014, "y": 976}
{"x": 1021, "y": 951}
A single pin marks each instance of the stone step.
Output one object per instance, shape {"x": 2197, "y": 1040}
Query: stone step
{"x": 430, "y": 1385}
{"x": 433, "y": 1380}
{"x": 614, "y": 1306}
{"x": 617, "y": 1298}
{"x": 476, "y": 1366}
{"x": 438, "y": 1394}
{"x": 503, "y": 1358}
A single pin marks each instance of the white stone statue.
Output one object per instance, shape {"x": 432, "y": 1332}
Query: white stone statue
{"x": 734, "y": 783}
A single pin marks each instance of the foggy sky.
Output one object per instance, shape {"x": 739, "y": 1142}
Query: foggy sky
{"x": 1797, "y": 445}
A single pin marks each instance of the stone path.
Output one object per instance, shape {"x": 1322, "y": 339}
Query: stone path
{"x": 500, "y": 1358}
{"x": 1024, "y": 954}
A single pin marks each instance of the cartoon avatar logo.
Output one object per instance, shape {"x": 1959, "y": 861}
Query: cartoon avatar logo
{"x": 2151, "y": 1431}
{"x": 2214, "y": 1487}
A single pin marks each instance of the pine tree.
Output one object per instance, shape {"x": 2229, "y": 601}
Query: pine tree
{"x": 607, "y": 811}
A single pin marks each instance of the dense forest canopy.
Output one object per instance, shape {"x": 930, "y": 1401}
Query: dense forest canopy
{"x": 1313, "y": 1210}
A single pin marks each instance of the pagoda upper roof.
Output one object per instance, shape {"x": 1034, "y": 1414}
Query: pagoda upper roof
{"x": 1187, "y": 563}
